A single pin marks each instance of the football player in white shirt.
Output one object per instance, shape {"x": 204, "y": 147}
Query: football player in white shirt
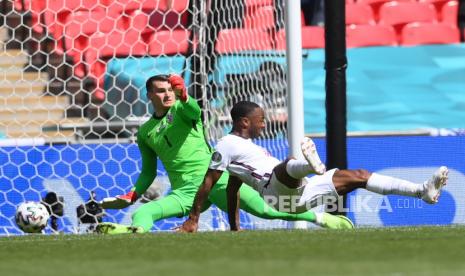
{"x": 285, "y": 185}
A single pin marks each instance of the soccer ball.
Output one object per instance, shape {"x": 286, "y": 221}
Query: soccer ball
{"x": 32, "y": 217}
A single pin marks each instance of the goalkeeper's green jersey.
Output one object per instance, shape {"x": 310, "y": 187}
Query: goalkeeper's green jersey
{"x": 178, "y": 140}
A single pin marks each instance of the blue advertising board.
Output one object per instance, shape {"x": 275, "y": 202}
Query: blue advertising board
{"x": 73, "y": 171}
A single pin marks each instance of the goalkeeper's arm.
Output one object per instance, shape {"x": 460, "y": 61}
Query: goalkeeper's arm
{"x": 189, "y": 107}
{"x": 145, "y": 179}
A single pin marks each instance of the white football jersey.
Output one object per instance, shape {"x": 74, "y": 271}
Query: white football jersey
{"x": 242, "y": 158}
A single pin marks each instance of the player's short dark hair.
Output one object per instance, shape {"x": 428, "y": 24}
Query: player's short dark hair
{"x": 242, "y": 109}
{"x": 149, "y": 82}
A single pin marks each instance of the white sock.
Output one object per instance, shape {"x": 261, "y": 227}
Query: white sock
{"x": 382, "y": 184}
{"x": 298, "y": 168}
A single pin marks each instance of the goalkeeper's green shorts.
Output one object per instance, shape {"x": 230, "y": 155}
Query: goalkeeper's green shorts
{"x": 177, "y": 203}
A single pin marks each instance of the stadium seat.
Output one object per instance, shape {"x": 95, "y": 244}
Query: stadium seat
{"x": 359, "y": 14}
{"x": 36, "y": 8}
{"x": 103, "y": 46}
{"x": 429, "y": 33}
{"x": 376, "y": 4}
{"x": 236, "y": 40}
{"x": 438, "y": 4}
{"x": 137, "y": 20}
{"x": 250, "y": 6}
{"x": 312, "y": 37}
{"x": 370, "y": 35}
{"x": 147, "y": 16}
{"x": 21, "y": 5}
{"x": 258, "y": 3}
{"x": 57, "y": 11}
{"x": 397, "y": 14}
{"x": 262, "y": 18}
{"x": 78, "y": 28}
{"x": 168, "y": 42}
{"x": 449, "y": 12}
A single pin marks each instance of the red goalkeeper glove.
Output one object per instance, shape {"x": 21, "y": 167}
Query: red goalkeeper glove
{"x": 119, "y": 202}
{"x": 179, "y": 87}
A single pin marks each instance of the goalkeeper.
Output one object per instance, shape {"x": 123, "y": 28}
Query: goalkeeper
{"x": 175, "y": 135}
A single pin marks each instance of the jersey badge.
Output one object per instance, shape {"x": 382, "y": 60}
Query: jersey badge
{"x": 216, "y": 157}
{"x": 169, "y": 118}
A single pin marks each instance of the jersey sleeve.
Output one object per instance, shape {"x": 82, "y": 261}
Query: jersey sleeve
{"x": 149, "y": 166}
{"x": 190, "y": 109}
{"x": 221, "y": 157}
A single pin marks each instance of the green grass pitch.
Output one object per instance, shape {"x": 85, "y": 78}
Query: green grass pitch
{"x": 380, "y": 251}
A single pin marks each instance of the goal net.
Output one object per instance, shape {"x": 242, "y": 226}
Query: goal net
{"x": 73, "y": 94}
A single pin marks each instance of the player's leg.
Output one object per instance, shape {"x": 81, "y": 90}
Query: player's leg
{"x": 170, "y": 206}
{"x": 291, "y": 171}
{"x": 143, "y": 218}
{"x": 253, "y": 203}
{"x": 346, "y": 181}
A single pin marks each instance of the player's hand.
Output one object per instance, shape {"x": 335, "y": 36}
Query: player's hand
{"x": 177, "y": 83}
{"x": 189, "y": 226}
{"x": 119, "y": 202}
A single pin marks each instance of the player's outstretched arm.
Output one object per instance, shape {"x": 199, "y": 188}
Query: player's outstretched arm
{"x": 177, "y": 83}
{"x": 232, "y": 193}
{"x": 145, "y": 179}
{"x": 210, "y": 179}
{"x": 189, "y": 107}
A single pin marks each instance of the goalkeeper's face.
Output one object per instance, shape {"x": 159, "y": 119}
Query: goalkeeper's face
{"x": 162, "y": 96}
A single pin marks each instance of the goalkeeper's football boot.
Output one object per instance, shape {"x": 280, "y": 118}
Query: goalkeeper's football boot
{"x": 311, "y": 155}
{"x": 119, "y": 202}
{"x": 434, "y": 185}
{"x": 335, "y": 222}
{"x": 114, "y": 228}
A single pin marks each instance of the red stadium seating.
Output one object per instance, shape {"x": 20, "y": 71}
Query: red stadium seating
{"x": 79, "y": 27}
{"x": 397, "y": 14}
{"x": 258, "y": 3}
{"x": 137, "y": 20}
{"x": 262, "y": 18}
{"x": 147, "y": 16}
{"x": 57, "y": 12}
{"x": 359, "y": 14}
{"x": 103, "y": 46}
{"x": 251, "y": 6}
{"x": 438, "y": 4}
{"x": 449, "y": 12}
{"x": 312, "y": 37}
{"x": 370, "y": 35}
{"x": 128, "y": 6}
{"x": 376, "y": 4}
{"x": 429, "y": 33}
{"x": 35, "y": 7}
{"x": 168, "y": 42}
{"x": 236, "y": 40}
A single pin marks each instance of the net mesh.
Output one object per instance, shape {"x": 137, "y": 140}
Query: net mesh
{"x": 72, "y": 95}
